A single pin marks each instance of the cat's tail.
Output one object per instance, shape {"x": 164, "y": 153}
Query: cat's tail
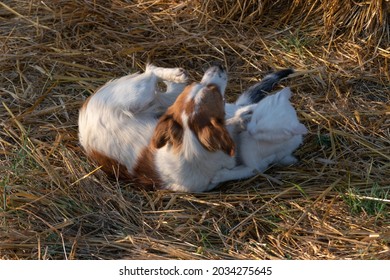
{"x": 260, "y": 90}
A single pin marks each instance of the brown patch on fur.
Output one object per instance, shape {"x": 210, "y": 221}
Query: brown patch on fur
{"x": 110, "y": 166}
{"x": 115, "y": 170}
{"x": 169, "y": 129}
{"x": 208, "y": 122}
{"x": 211, "y": 103}
{"x": 145, "y": 170}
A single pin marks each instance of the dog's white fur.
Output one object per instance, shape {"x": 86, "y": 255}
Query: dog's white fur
{"x": 191, "y": 143}
{"x": 272, "y": 135}
{"x": 182, "y": 151}
{"x": 117, "y": 122}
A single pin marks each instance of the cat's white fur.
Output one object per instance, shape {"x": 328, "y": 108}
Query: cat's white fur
{"x": 271, "y": 136}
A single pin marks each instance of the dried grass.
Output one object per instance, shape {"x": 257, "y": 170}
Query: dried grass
{"x": 56, "y": 205}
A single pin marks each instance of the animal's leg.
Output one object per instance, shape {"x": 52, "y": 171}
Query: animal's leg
{"x": 237, "y": 173}
{"x": 176, "y": 75}
{"x": 131, "y": 93}
{"x": 239, "y": 121}
{"x": 288, "y": 160}
{"x": 173, "y": 90}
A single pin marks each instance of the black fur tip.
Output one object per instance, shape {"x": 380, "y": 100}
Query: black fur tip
{"x": 283, "y": 73}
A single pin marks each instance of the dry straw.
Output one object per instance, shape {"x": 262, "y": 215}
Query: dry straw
{"x": 332, "y": 205}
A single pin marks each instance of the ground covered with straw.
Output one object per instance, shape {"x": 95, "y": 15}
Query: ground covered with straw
{"x": 334, "y": 204}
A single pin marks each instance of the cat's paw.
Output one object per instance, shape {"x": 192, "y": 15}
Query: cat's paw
{"x": 240, "y": 119}
{"x": 244, "y": 113}
{"x": 244, "y": 116}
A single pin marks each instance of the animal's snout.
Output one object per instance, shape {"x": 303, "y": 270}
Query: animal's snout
{"x": 217, "y": 65}
{"x": 215, "y": 75}
{"x": 216, "y": 70}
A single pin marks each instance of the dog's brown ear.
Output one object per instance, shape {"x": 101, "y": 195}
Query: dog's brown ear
{"x": 167, "y": 131}
{"x": 215, "y": 137}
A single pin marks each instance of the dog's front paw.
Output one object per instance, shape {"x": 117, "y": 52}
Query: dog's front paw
{"x": 220, "y": 176}
{"x": 288, "y": 160}
{"x": 230, "y": 163}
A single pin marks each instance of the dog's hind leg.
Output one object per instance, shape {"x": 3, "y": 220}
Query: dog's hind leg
{"x": 130, "y": 93}
{"x": 175, "y": 80}
{"x": 176, "y": 75}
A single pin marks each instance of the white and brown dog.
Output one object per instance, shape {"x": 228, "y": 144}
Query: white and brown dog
{"x": 181, "y": 151}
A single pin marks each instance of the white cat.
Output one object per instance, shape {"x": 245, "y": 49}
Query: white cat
{"x": 271, "y": 136}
